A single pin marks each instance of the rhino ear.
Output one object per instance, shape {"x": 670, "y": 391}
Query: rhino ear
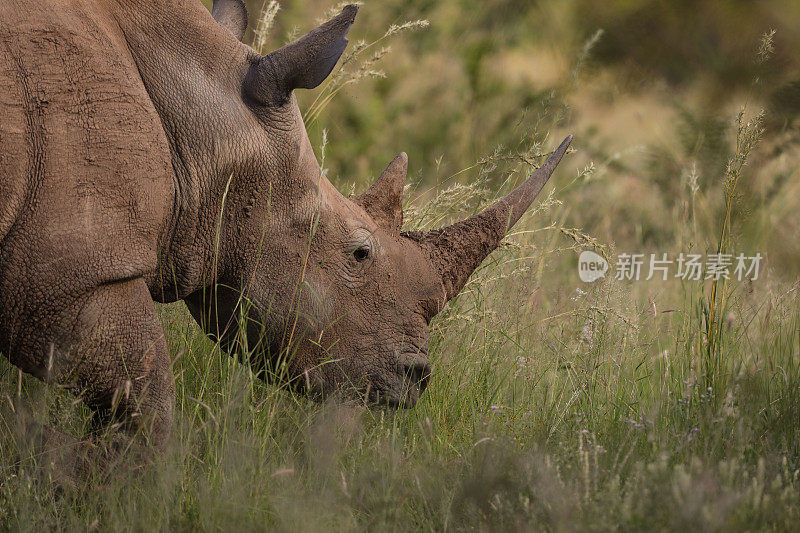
{"x": 231, "y": 14}
{"x": 302, "y": 64}
{"x": 383, "y": 201}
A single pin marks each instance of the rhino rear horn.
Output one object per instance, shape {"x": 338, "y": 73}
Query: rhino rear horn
{"x": 231, "y": 14}
{"x": 383, "y": 201}
{"x": 302, "y": 64}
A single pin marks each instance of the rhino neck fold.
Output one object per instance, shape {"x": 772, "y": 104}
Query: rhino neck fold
{"x": 192, "y": 70}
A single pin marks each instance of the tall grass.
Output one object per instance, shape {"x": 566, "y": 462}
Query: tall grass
{"x": 748, "y": 133}
{"x": 573, "y": 408}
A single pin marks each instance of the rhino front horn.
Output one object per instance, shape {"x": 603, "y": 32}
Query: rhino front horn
{"x": 457, "y": 250}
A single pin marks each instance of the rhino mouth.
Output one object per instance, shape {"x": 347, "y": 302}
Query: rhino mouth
{"x": 411, "y": 378}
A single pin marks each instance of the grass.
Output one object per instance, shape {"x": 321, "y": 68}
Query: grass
{"x": 554, "y": 404}
{"x": 572, "y": 408}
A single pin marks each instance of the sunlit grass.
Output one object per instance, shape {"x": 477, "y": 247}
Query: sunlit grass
{"x": 552, "y": 405}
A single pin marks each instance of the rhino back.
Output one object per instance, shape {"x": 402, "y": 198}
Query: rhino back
{"x": 86, "y": 184}
{"x": 85, "y": 158}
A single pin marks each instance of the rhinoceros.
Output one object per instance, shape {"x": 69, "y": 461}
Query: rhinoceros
{"x": 148, "y": 155}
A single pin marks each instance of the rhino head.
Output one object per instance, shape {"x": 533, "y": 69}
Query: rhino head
{"x": 329, "y": 291}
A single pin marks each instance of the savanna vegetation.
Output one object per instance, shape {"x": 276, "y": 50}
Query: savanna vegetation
{"x": 555, "y": 404}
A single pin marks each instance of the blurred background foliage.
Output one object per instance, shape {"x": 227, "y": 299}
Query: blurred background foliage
{"x": 650, "y": 89}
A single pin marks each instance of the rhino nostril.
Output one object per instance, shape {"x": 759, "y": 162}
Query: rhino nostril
{"x": 418, "y": 373}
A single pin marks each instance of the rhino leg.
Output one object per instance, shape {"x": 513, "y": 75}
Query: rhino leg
{"x": 109, "y": 349}
{"x": 119, "y": 363}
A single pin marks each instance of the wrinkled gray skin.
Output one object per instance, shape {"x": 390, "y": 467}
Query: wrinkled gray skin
{"x": 149, "y": 155}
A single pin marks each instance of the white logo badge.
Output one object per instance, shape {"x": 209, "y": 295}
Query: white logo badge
{"x": 591, "y": 266}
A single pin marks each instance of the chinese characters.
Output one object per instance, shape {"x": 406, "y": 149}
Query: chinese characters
{"x": 634, "y": 267}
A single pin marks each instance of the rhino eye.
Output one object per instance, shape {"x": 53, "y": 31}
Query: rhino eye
{"x": 361, "y": 253}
